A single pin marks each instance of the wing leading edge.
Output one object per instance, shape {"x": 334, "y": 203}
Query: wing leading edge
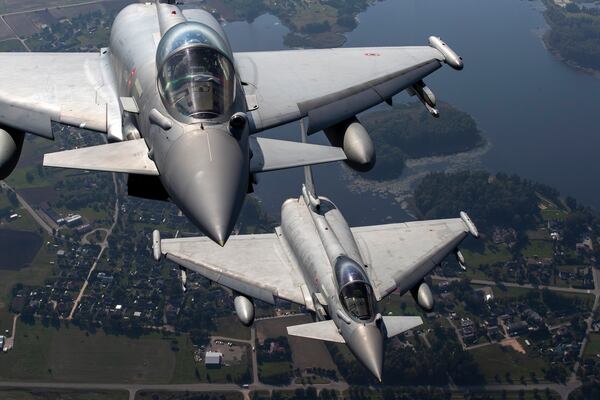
{"x": 400, "y": 255}
{"x": 328, "y": 86}
{"x": 255, "y": 265}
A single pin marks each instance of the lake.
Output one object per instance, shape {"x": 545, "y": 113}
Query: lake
{"x": 539, "y": 114}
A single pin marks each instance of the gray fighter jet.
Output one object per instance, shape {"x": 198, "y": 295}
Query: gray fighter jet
{"x": 182, "y": 108}
{"x": 338, "y": 273}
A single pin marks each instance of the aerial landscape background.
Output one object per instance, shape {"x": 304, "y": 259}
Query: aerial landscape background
{"x": 85, "y": 312}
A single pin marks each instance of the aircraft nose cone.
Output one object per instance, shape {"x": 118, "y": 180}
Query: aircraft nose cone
{"x": 366, "y": 342}
{"x": 207, "y": 177}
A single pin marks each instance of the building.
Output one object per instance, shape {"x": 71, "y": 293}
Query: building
{"x": 488, "y": 293}
{"x": 213, "y": 359}
{"x": 515, "y": 328}
{"x": 73, "y": 221}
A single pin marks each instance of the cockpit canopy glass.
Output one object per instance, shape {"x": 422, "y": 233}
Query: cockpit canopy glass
{"x": 195, "y": 78}
{"x": 356, "y": 294}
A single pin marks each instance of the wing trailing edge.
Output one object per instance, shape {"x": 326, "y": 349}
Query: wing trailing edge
{"x": 324, "y": 330}
{"x": 127, "y": 157}
{"x": 273, "y": 155}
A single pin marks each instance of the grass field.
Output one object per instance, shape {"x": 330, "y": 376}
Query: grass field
{"x": 46, "y": 394}
{"x": 69, "y": 354}
{"x": 39, "y": 270}
{"x": 11, "y": 45}
{"x": 539, "y": 248}
{"x": 510, "y": 292}
{"x": 593, "y": 345}
{"x": 491, "y": 255}
{"x": 231, "y": 327}
{"x": 188, "y": 396}
{"x": 307, "y": 353}
{"x": 527, "y": 395}
{"x": 496, "y": 362}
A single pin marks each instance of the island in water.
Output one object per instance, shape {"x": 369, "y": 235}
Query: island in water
{"x": 408, "y": 131}
{"x": 574, "y": 32}
{"x": 316, "y": 24}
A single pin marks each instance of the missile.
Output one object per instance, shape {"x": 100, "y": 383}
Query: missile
{"x": 461, "y": 259}
{"x": 183, "y": 279}
{"x": 425, "y": 96}
{"x": 423, "y": 296}
{"x": 244, "y": 309}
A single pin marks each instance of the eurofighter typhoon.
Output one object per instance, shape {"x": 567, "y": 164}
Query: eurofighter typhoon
{"x": 180, "y": 108}
{"x": 339, "y": 273}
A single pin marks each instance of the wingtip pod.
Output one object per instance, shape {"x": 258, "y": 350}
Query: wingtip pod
{"x": 470, "y": 224}
{"x": 450, "y": 56}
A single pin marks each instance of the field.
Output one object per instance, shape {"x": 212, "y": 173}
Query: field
{"x": 276, "y": 327}
{"x": 593, "y": 345}
{"x": 539, "y": 249}
{"x": 11, "y": 45}
{"x": 18, "y": 248}
{"x": 35, "y": 274}
{"x": 231, "y": 327}
{"x": 514, "y": 395}
{"x": 14, "y": 6}
{"x": 491, "y": 255}
{"x": 69, "y": 354}
{"x": 500, "y": 364}
{"x": 46, "y": 394}
{"x": 188, "y": 396}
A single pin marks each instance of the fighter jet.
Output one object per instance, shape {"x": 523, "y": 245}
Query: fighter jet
{"x": 180, "y": 108}
{"x": 338, "y": 273}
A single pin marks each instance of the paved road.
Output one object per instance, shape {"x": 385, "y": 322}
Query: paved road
{"x": 103, "y": 247}
{"x": 84, "y": 239}
{"x": 133, "y": 389}
{"x": 29, "y": 209}
{"x": 516, "y": 285}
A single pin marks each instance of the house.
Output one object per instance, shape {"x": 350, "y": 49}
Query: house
{"x": 514, "y": 328}
{"x": 488, "y": 293}
{"x": 213, "y": 359}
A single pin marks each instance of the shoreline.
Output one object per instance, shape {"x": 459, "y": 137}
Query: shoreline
{"x": 400, "y": 190}
{"x": 543, "y": 36}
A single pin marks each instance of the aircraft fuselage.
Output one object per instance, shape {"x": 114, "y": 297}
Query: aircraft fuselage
{"x": 325, "y": 249}
{"x": 203, "y": 166}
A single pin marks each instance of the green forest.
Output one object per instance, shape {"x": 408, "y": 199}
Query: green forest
{"x": 409, "y": 131}
{"x": 574, "y": 34}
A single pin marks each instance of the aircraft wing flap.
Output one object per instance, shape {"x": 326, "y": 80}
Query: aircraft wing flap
{"x": 272, "y": 154}
{"x": 400, "y": 255}
{"x": 128, "y": 157}
{"x": 329, "y": 85}
{"x": 254, "y": 265}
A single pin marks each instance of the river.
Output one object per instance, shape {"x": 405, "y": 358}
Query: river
{"x": 540, "y": 116}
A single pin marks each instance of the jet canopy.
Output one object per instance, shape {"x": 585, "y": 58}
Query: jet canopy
{"x": 356, "y": 294}
{"x": 196, "y": 78}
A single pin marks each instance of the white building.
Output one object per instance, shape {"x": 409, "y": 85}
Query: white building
{"x": 213, "y": 359}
